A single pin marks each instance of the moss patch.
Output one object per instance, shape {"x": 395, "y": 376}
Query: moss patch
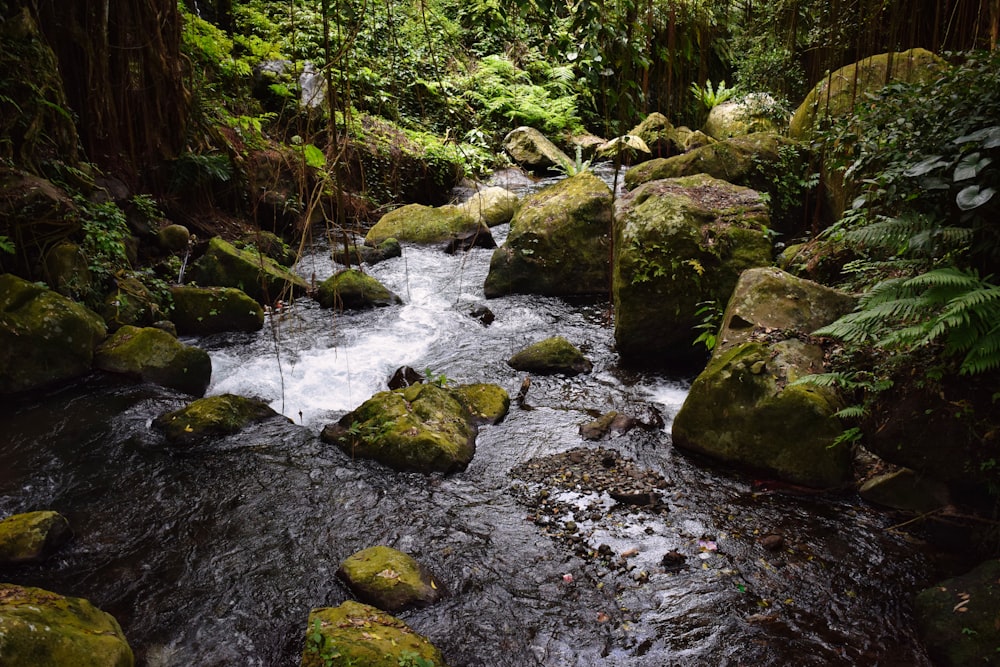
{"x": 389, "y": 579}
{"x": 352, "y": 289}
{"x": 212, "y": 416}
{"x": 153, "y": 355}
{"x": 32, "y": 536}
{"x": 487, "y": 403}
{"x": 208, "y": 310}
{"x": 258, "y": 276}
{"x": 416, "y": 223}
{"x": 550, "y": 356}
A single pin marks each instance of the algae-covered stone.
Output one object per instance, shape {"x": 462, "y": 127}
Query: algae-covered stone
{"x": 67, "y": 270}
{"x": 550, "y": 356}
{"x": 558, "y": 243}
{"x": 352, "y": 289}
{"x": 270, "y": 245}
{"x": 958, "y": 618}
{"x": 206, "y": 310}
{"x": 491, "y": 206}
{"x": 389, "y": 579}
{"x": 129, "y": 303}
{"x": 263, "y": 279}
{"x": 31, "y": 537}
{"x": 213, "y": 416}
{"x": 416, "y": 223}
{"x": 355, "y": 634}
{"x": 423, "y": 428}
{"x": 659, "y": 135}
{"x": 747, "y": 115}
{"x": 487, "y": 403}
{"x": 530, "y": 149}
{"x": 44, "y": 337}
{"x": 153, "y": 355}
{"x": 679, "y": 243}
{"x": 905, "y": 490}
{"x": 39, "y": 628}
{"x": 742, "y": 411}
{"x": 174, "y": 238}
{"x": 356, "y": 254}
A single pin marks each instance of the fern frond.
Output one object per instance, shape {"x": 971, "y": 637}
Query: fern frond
{"x": 984, "y": 355}
{"x": 851, "y": 412}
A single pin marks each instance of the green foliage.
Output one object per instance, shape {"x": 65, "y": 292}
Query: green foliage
{"x": 411, "y": 659}
{"x": 437, "y": 379}
{"x": 199, "y": 170}
{"x": 6, "y": 245}
{"x": 147, "y": 206}
{"x": 709, "y": 97}
{"x": 104, "y": 233}
{"x": 319, "y": 645}
{"x": 577, "y": 166}
{"x": 710, "y": 315}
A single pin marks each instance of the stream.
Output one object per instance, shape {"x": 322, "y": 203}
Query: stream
{"x": 214, "y": 555}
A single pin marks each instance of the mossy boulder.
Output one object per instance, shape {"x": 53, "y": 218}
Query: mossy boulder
{"x": 531, "y": 150}
{"x": 44, "y": 337}
{"x": 352, "y": 289}
{"x": 174, "y": 238}
{"x": 491, "y": 206}
{"x": 736, "y": 118}
{"x": 416, "y": 223}
{"x": 67, "y": 270}
{"x": 421, "y": 428}
{"x": 31, "y": 537}
{"x": 905, "y": 490}
{"x": 260, "y": 277}
{"x": 129, "y": 303}
{"x": 389, "y": 579}
{"x": 212, "y": 417}
{"x": 153, "y": 355}
{"x": 356, "y": 254}
{"x": 200, "y": 311}
{"x": 487, "y": 403}
{"x": 359, "y": 634}
{"x": 550, "y": 356}
{"x": 678, "y": 243}
{"x": 558, "y": 243}
{"x": 659, "y": 134}
{"x": 38, "y": 628}
{"x": 270, "y": 245}
{"x": 741, "y": 411}
{"x": 958, "y": 618}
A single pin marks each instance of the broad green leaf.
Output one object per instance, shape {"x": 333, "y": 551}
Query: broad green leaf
{"x": 970, "y": 166}
{"x": 973, "y": 196}
{"x": 925, "y": 166}
{"x": 314, "y": 156}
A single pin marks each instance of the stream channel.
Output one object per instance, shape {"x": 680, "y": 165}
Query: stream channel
{"x": 214, "y": 555}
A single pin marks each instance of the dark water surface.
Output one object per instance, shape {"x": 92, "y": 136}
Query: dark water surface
{"x": 214, "y": 555}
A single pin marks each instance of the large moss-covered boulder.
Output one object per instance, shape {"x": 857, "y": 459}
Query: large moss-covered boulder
{"x": 206, "y": 310}
{"x": 41, "y": 628}
{"x": 551, "y": 356}
{"x": 212, "y": 417}
{"x": 531, "y": 150}
{"x": 358, "y": 634}
{"x": 558, "y": 243}
{"x": 486, "y": 403}
{"x": 416, "y": 223}
{"x": 270, "y": 245}
{"x": 422, "y": 428}
{"x": 130, "y": 303}
{"x": 260, "y": 277}
{"x": 44, "y": 337}
{"x": 679, "y": 243}
{"x": 959, "y": 618}
{"x": 389, "y": 579}
{"x": 67, "y": 270}
{"x": 153, "y": 355}
{"x": 747, "y": 115}
{"x": 31, "y": 537}
{"x": 659, "y": 135}
{"x": 491, "y": 206}
{"x": 742, "y": 411}
{"x": 354, "y": 254}
{"x": 352, "y": 289}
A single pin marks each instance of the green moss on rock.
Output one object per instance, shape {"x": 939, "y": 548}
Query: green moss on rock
{"x": 530, "y": 149}
{"x": 356, "y": 254}
{"x": 352, "y": 289}
{"x": 491, "y": 206}
{"x": 129, "y": 303}
{"x": 260, "y": 277}
{"x": 42, "y": 628}
{"x": 487, "y": 403}
{"x": 206, "y": 310}
{"x": 32, "y": 536}
{"x": 212, "y": 416}
{"x": 416, "y": 223}
{"x": 958, "y": 618}
{"x": 550, "y": 356}
{"x": 389, "y": 579}
{"x": 153, "y": 355}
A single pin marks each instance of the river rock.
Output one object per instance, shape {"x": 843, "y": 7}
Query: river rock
{"x": 44, "y": 337}
{"x": 153, "y": 355}
{"x": 531, "y": 150}
{"x": 558, "y": 243}
{"x": 491, "y": 206}
{"x": 359, "y": 634}
{"x": 263, "y": 279}
{"x": 199, "y": 311}
{"x": 174, "y": 238}
{"x": 31, "y": 537}
{"x": 610, "y": 422}
{"x": 905, "y": 490}
{"x": 736, "y": 118}
{"x": 270, "y": 245}
{"x": 129, "y": 303}
{"x": 38, "y": 628}
{"x": 487, "y": 403}
{"x": 659, "y": 135}
{"x": 416, "y": 223}
{"x": 551, "y": 356}
{"x": 356, "y": 254}
{"x": 958, "y": 618}
{"x": 351, "y": 289}
{"x": 213, "y": 416}
{"x": 389, "y": 579}
{"x": 678, "y": 243}
{"x": 67, "y": 270}
{"x": 421, "y": 428}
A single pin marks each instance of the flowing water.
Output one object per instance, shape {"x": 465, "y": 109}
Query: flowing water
{"x": 213, "y": 555}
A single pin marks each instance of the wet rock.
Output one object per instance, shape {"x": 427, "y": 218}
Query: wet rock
{"x": 389, "y": 579}
{"x": 153, "y": 355}
{"x": 44, "y": 628}
{"x": 483, "y": 314}
{"x": 174, "y": 238}
{"x": 404, "y": 376}
{"x": 129, "y": 303}
{"x": 558, "y": 244}
{"x": 531, "y": 150}
{"x": 351, "y": 289}
{"x": 270, "y": 245}
{"x": 958, "y": 617}
{"x": 44, "y": 337}
{"x": 67, "y": 270}
{"x": 487, "y": 403}
{"x": 199, "y": 311}
{"x": 263, "y": 279}
{"x": 416, "y": 223}
{"x": 211, "y": 417}
{"x": 773, "y": 542}
{"x": 905, "y": 490}
{"x": 747, "y": 115}
{"x": 610, "y": 422}
{"x": 551, "y": 356}
{"x": 31, "y": 537}
{"x": 468, "y": 240}
{"x": 356, "y": 254}
{"x": 360, "y": 634}
{"x": 492, "y": 206}
{"x": 673, "y": 560}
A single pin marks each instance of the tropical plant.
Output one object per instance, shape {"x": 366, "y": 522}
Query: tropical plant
{"x": 710, "y": 97}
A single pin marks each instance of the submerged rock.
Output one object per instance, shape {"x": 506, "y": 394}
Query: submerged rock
{"x": 958, "y": 618}
{"x": 389, "y": 579}
{"x": 153, "y": 355}
{"x": 559, "y": 242}
{"x": 44, "y": 337}
{"x": 416, "y": 223}
{"x": 213, "y": 416}
{"x": 358, "y": 634}
{"x": 356, "y": 254}
{"x": 206, "y": 310}
{"x": 31, "y": 537}
{"x": 353, "y": 290}
{"x": 42, "y": 628}
{"x": 550, "y": 356}
{"x": 531, "y": 150}
{"x": 263, "y": 279}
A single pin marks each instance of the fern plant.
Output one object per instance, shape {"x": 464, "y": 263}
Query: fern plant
{"x": 709, "y": 97}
